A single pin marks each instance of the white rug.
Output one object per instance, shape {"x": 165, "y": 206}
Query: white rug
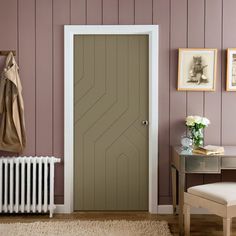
{"x": 87, "y": 228}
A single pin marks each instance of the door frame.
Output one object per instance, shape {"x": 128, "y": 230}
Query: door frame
{"x": 69, "y": 31}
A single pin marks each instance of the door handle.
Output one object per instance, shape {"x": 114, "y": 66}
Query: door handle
{"x": 145, "y": 122}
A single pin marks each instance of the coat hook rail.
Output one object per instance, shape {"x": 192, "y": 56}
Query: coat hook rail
{"x": 5, "y": 53}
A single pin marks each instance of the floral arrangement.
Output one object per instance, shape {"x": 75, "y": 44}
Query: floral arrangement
{"x": 195, "y": 125}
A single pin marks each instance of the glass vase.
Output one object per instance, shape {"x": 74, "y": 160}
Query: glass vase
{"x": 197, "y": 136}
{"x": 187, "y": 143}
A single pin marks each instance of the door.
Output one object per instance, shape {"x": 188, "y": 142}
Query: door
{"x": 110, "y": 135}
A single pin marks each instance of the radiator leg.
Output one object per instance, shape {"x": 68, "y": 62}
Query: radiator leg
{"x": 50, "y": 213}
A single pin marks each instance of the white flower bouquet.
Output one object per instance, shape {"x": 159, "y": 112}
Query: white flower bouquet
{"x": 195, "y": 125}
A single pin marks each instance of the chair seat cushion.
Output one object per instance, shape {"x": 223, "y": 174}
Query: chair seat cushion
{"x": 223, "y": 192}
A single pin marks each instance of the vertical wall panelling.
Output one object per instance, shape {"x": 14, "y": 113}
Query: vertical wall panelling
{"x": 228, "y": 98}
{"x": 177, "y": 99}
{"x": 44, "y": 99}
{"x": 213, "y": 39}
{"x": 110, "y": 12}
{"x": 94, "y": 12}
{"x": 196, "y": 39}
{"x": 26, "y": 57}
{"x": 9, "y": 30}
{"x": 126, "y": 12}
{"x": 78, "y": 12}
{"x": 178, "y": 32}
{"x": 61, "y": 17}
{"x": 162, "y": 18}
{"x": 213, "y": 32}
{"x": 143, "y": 12}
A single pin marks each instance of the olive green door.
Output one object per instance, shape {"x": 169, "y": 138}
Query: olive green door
{"x": 110, "y": 137}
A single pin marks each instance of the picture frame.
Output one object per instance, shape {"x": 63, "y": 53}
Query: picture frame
{"x": 231, "y": 70}
{"x": 197, "y": 69}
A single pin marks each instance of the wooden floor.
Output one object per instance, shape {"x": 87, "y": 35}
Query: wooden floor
{"x": 200, "y": 224}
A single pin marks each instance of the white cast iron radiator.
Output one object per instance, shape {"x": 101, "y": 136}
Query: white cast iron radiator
{"x": 27, "y": 184}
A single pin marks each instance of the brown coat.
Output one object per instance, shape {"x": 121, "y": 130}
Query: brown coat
{"x": 12, "y": 122}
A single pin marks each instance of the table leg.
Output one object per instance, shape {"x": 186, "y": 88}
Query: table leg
{"x": 181, "y": 202}
{"x": 173, "y": 178}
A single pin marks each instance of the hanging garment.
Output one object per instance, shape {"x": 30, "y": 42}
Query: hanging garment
{"x": 12, "y": 122}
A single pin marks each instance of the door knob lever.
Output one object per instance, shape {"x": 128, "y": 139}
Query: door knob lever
{"x": 145, "y": 122}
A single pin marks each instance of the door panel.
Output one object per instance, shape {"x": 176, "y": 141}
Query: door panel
{"x": 110, "y": 142}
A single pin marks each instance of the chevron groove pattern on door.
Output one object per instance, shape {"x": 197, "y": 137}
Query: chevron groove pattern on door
{"x": 110, "y": 102}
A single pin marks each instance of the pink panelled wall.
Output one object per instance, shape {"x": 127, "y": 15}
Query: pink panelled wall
{"x": 34, "y": 28}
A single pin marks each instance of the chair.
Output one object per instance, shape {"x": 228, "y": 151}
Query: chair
{"x": 217, "y": 198}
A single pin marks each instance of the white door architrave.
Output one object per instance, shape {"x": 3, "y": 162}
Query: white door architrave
{"x": 69, "y": 32}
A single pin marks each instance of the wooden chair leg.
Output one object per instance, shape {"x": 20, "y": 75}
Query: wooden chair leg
{"x": 186, "y": 220}
{"x": 226, "y": 226}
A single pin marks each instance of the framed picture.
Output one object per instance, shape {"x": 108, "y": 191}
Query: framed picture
{"x": 197, "y": 69}
{"x": 231, "y": 70}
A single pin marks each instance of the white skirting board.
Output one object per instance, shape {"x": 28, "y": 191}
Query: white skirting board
{"x": 60, "y": 208}
{"x": 161, "y": 209}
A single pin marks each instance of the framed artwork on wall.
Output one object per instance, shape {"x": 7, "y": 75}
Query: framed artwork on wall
{"x": 231, "y": 70}
{"x": 197, "y": 69}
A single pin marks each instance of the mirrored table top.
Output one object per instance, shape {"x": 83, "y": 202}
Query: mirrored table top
{"x": 230, "y": 151}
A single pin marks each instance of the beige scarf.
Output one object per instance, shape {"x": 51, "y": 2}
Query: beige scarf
{"x": 12, "y": 122}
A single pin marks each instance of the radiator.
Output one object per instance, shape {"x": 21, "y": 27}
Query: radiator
{"x": 27, "y": 184}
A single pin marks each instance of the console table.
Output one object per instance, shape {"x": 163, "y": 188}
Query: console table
{"x": 183, "y": 162}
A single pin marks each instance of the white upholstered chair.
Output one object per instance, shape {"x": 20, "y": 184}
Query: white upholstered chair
{"x": 217, "y": 198}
